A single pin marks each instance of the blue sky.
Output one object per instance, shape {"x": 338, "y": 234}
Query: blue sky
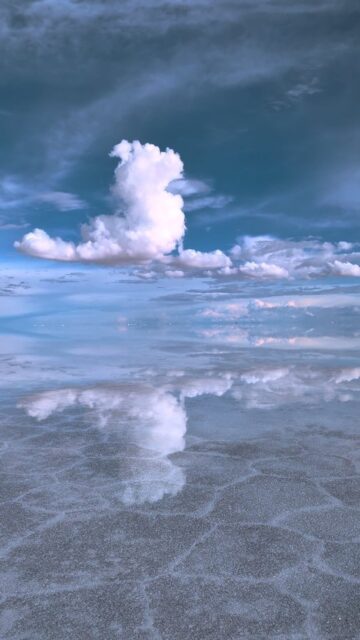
{"x": 250, "y": 107}
{"x": 258, "y": 99}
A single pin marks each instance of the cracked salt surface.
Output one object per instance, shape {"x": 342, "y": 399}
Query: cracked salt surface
{"x": 198, "y": 505}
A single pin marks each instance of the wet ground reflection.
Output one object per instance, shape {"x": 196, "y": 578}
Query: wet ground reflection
{"x": 224, "y": 501}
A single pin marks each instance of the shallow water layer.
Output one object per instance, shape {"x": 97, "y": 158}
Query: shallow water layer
{"x": 179, "y": 463}
{"x": 210, "y": 502}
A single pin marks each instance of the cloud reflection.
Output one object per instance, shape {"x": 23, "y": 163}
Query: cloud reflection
{"x": 147, "y": 423}
{"x": 151, "y": 420}
{"x": 271, "y": 388}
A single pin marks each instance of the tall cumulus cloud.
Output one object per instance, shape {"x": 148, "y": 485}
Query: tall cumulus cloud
{"x": 149, "y": 221}
{"x": 148, "y": 224}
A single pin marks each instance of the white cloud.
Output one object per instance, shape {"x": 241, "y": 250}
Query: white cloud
{"x": 267, "y": 256}
{"x": 265, "y": 304}
{"x": 213, "y": 314}
{"x": 147, "y": 227}
{"x": 263, "y": 270}
{"x": 149, "y": 222}
{"x": 198, "y": 194}
{"x": 153, "y": 222}
{"x": 39, "y": 244}
{"x": 346, "y": 269}
{"x": 203, "y": 260}
{"x": 146, "y": 275}
{"x": 188, "y": 187}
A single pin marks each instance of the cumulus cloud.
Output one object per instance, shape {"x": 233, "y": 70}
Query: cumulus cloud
{"x": 265, "y": 304}
{"x": 203, "y": 260}
{"x": 39, "y": 244}
{"x": 263, "y": 270}
{"x": 149, "y": 221}
{"x": 346, "y": 268}
{"x": 266, "y": 256}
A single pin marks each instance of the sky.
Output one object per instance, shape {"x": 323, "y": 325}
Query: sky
{"x": 155, "y": 142}
{"x": 257, "y": 98}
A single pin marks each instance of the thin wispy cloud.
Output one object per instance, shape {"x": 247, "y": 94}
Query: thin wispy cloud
{"x": 62, "y": 200}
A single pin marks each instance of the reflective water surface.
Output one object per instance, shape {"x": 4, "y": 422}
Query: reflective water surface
{"x": 166, "y": 484}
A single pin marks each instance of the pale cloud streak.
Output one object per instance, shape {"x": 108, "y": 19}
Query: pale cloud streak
{"x": 62, "y": 200}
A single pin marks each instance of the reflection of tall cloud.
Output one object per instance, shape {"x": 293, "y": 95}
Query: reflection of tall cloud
{"x": 151, "y": 419}
{"x": 154, "y": 420}
{"x": 147, "y": 424}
